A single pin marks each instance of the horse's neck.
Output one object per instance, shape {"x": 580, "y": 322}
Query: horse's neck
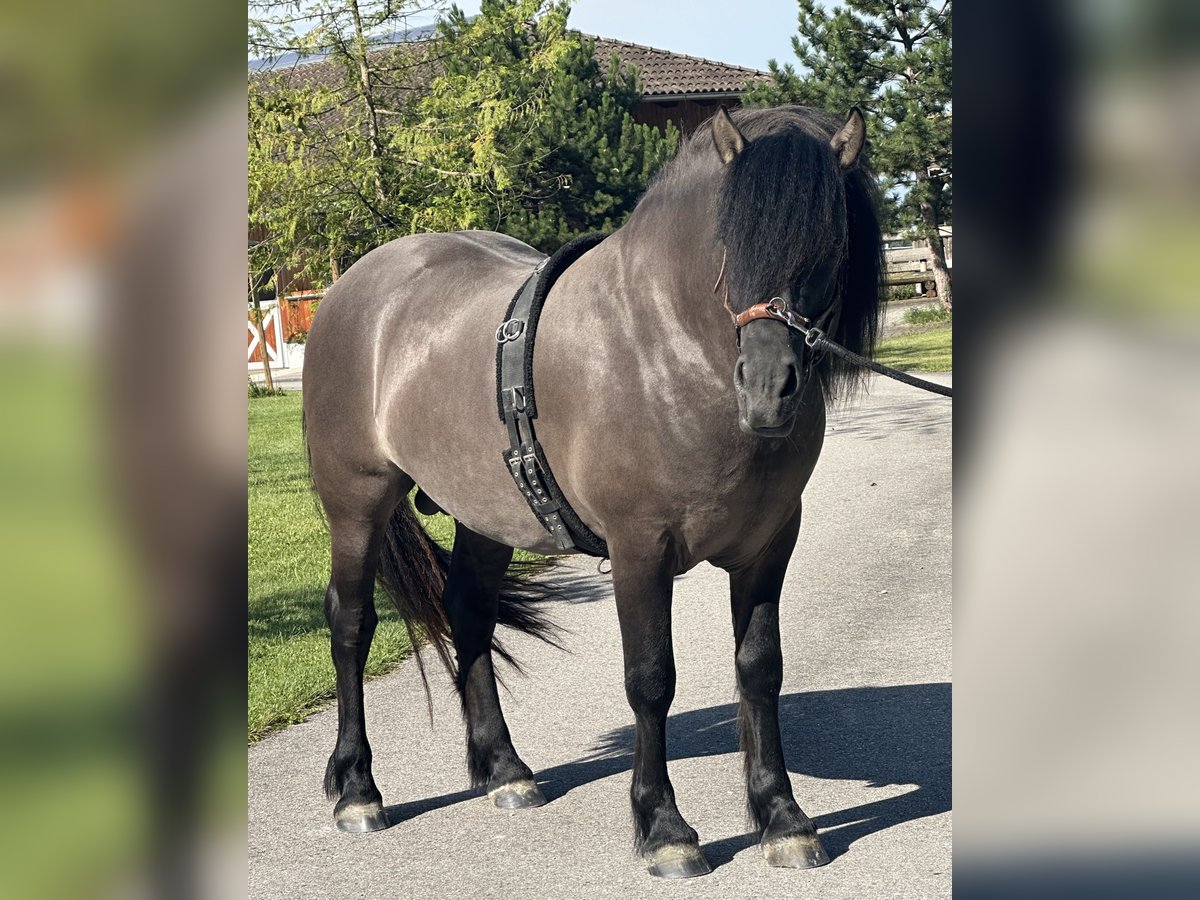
{"x": 670, "y": 242}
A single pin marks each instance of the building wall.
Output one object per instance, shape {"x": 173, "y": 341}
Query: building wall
{"x": 686, "y": 114}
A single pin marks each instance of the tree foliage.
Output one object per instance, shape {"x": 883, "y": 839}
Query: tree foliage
{"x": 389, "y": 140}
{"x": 891, "y": 58}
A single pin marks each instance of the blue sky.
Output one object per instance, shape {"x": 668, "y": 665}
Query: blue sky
{"x": 745, "y": 33}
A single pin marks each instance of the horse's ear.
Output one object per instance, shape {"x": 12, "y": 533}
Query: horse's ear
{"x": 726, "y": 137}
{"x": 849, "y": 140}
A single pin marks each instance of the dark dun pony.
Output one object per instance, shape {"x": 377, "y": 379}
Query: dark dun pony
{"x": 672, "y": 442}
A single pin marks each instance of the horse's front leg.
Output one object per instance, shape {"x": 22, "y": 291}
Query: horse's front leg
{"x": 789, "y": 837}
{"x": 642, "y": 584}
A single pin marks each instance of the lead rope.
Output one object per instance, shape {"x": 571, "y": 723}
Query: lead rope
{"x": 820, "y": 342}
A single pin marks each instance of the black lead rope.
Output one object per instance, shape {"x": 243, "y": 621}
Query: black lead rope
{"x": 817, "y": 341}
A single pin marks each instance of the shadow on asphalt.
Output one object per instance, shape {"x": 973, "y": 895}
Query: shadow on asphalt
{"x": 878, "y": 735}
{"x": 876, "y": 424}
{"x": 574, "y": 584}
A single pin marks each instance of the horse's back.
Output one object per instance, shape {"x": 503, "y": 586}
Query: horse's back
{"x": 396, "y": 278}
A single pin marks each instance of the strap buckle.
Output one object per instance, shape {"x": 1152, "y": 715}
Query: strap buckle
{"x": 516, "y": 399}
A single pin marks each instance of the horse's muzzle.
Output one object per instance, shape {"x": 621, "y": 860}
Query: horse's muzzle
{"x": 768, "y": 387}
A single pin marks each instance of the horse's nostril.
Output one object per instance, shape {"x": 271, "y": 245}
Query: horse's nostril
{"x": 739, "y": 373}
{"x": 792, "y": 384}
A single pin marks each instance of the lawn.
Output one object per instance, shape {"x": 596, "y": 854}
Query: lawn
{"x": 290, "y": 671}
{"x": 919, "y": 351}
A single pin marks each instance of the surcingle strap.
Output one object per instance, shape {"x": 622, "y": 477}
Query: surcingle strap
{"x": 524, "y": 458}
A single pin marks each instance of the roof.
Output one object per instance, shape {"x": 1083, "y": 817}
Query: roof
{"x": 665, "y": 73}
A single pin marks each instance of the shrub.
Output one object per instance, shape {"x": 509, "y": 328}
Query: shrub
{"x": 927, "y": 315}
{"x": 256, "y": 390}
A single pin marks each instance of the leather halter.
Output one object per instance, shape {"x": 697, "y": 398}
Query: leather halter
{"x": 814, "y": 338}
{"x": 776, "y": 308}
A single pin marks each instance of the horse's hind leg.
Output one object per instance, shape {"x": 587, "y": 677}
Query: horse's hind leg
{"x": 358, "y": 516}
{"x": 471, "y": 599}
{"x": 789, "y": 837}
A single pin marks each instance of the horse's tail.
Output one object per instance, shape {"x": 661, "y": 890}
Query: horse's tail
{"x": 413, "y": 569}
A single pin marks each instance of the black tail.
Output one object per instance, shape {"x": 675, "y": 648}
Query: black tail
{"x": 413, "y": 569}
{"x": 756, "y": 817}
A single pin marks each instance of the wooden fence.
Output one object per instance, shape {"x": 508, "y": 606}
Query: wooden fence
{"x": 913, "y": 265}
{"x": 296, "y": 313}
{"x": 283, "y": 319}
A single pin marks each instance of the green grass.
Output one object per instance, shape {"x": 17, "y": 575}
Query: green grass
{"x": 927, "y": 315}
{"x": 254, "y": 390}
{"x": 290, "y": 671}
{"x": 921, "y": 351}
{"x": 72, "y": 660}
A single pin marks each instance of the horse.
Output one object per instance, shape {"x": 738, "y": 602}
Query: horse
{"x": 676, "y": 436}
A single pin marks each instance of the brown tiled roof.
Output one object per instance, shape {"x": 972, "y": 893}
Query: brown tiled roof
{"x": 665, "y": 73}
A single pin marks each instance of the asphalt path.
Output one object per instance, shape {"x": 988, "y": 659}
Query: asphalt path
{"x": 865, "y": 709}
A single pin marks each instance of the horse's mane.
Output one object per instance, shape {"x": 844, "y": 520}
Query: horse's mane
{"x": 784, "y": 202}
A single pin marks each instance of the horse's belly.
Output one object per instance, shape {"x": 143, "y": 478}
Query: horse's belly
{"x": 440, "y": 423}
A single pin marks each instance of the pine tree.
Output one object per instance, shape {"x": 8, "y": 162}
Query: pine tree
{"x": 586, "y": 161}
{"x": 891, "y": 58}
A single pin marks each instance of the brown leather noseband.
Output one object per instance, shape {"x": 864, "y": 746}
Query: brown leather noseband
{"x": 775, "y": 308}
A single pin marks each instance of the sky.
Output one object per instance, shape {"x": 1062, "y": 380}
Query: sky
{"x": 745, "y": 33}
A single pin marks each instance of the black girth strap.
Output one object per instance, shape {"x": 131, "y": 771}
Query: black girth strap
{"x": 514, "y": 388}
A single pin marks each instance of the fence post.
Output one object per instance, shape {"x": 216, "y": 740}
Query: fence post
{"x": 262, "y": 334}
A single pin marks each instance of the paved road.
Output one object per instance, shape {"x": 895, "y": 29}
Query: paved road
{"x": 865, "y": 707}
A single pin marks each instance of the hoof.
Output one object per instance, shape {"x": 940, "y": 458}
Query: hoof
{"x": 358, "y": 818}
{"x": 796, "y": 852}
{"x": 522, "y": 794}
{"x": 677, "y": 861}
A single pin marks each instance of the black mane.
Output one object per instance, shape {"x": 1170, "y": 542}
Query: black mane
{"x": 784, "y": 202}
